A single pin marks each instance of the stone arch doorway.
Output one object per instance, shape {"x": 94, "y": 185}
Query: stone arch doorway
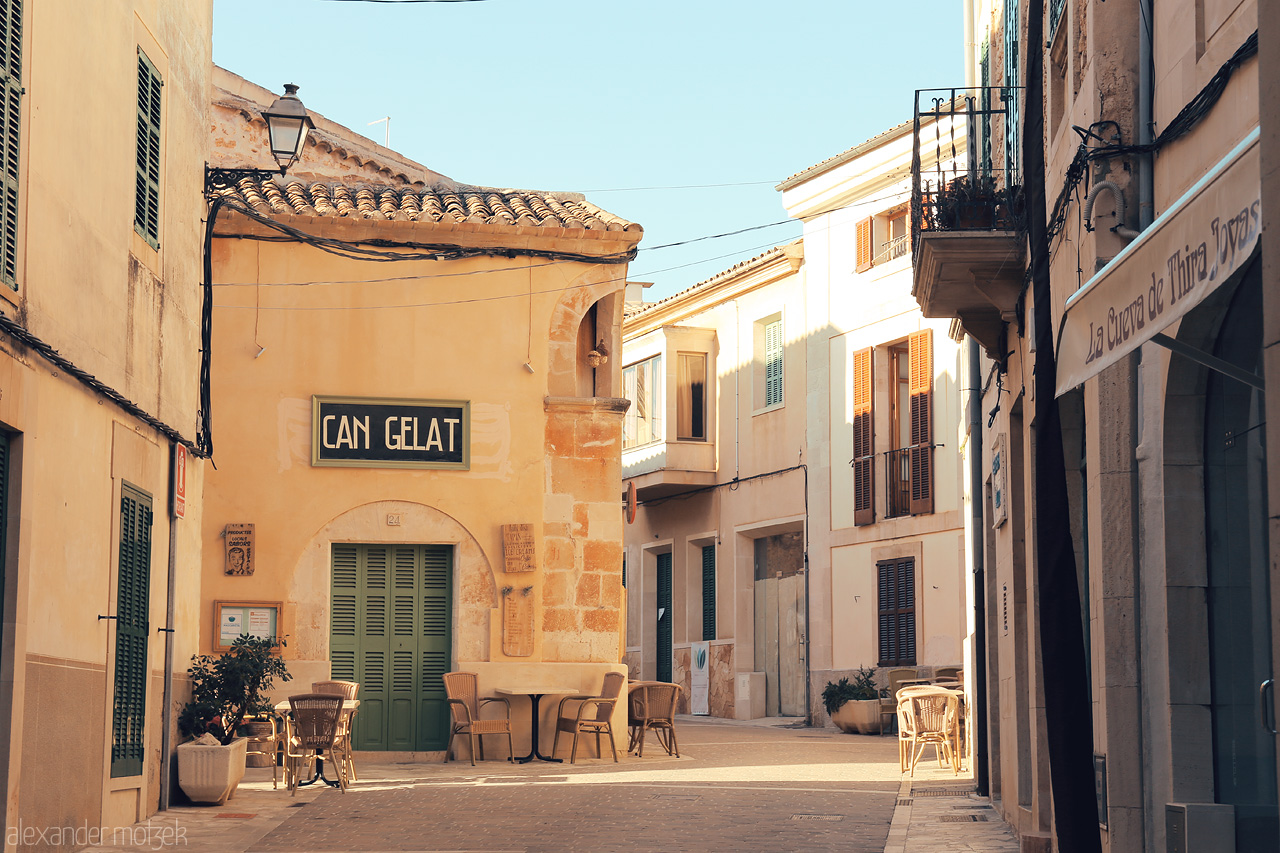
{"x": 391, "y": 594}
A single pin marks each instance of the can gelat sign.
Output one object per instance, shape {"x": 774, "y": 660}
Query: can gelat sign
{"x": 368, "y": 432}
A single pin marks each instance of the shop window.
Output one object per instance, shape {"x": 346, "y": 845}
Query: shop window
{"x": 133, "y": 600}
{"x": 146, "y": 215}
{"x": 642, "y": 385}
{"x": 691, "y": 396}
{"x": 896, "y": 589}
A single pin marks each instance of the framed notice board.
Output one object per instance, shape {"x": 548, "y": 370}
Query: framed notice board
{"x": 233, "y": 619}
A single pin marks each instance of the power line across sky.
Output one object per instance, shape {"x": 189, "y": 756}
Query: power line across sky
{"x": 681, "y": 117}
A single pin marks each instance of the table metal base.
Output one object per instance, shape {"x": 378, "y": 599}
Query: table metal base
{"x": 320, "y": 777}
{"x": 535, "y": 699}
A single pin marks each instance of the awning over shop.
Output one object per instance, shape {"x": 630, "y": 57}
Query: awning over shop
{"x": 1190, "y": 250}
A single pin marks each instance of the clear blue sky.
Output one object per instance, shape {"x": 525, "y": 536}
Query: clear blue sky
{"x": 626, "y": 102}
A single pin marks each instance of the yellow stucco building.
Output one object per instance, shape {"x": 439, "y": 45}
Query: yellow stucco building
{"x": 416, "y": 406}
{"x": 99, "y": 368}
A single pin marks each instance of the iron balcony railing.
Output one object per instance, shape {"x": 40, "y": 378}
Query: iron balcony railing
{"x": 964, "y": 161}
{"x": 895, "y": 248}
{"x": 897, "y": 470}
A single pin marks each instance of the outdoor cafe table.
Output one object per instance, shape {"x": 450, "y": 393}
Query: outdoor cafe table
{"x": 535, "y": 695}
{"x": 349, "y": 707}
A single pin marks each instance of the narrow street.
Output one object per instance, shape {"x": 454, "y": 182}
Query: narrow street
{"x": 740, "y": 787}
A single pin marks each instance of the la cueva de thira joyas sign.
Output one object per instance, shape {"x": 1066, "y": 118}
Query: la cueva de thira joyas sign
{"x": 369, "y": 432}
{"x": 1188, "y": 252}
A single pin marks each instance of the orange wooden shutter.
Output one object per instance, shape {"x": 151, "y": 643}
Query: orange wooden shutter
{"x": 864, "y": 245}
{"x": 864, "y": 508}
{"x": 920, "y": 370}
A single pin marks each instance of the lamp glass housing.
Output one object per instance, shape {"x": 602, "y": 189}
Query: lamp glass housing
{"x": 287, "y": 127}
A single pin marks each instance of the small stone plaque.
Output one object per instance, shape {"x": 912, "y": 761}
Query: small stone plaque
{"x": 239, "y": 545}
{"x": 517, "y": 622}
{"x": 517, "y": 547}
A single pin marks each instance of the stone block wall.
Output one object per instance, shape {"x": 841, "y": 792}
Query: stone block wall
{"x": 582, "y": 531}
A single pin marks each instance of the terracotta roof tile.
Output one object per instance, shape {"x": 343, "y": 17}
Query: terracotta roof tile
{"x": 479, "y": 205}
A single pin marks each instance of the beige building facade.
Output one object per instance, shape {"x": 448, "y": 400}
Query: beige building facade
{"x": 416, "y": 407}
{"x": 1127, "y": 566}
{"x": 793, "y": 445}
{"x": 99, "y": 372}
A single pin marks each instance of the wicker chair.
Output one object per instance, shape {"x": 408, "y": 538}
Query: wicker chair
{"x": 347, "y": 690}
{"x": 889, "y": 704}
{"x": 928, "y": 716}
{"x": 464, "y": 706}
{"x": 267, "y": 744}
{"x": 593, "y": 715}
{"x": 311, "y": 730}
{"x": 651, "y": 706}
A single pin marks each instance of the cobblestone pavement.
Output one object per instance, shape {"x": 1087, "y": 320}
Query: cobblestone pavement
{"x": 736, "y": 787}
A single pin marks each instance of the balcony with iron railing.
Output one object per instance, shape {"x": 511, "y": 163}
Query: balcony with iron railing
{"x": 898, "y": 477}
{"x": 967, "y": 210}
{"x": 893, "y": 249}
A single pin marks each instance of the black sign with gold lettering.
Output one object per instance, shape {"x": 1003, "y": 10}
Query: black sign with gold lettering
{"x": 388, "y": 433}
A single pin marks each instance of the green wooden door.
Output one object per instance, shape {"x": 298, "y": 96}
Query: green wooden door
{"x": 390, "y": 631}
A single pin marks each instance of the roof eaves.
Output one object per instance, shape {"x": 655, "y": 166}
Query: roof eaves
{"x": 847, "y": 155}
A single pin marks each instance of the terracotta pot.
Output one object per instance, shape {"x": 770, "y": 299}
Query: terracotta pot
{"x": 858, "y": 716}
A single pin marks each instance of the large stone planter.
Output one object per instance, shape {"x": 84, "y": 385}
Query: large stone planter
{"x": 210, "y": 774}
{"x": 858, "y": 716}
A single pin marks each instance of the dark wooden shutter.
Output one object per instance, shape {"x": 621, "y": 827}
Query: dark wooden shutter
{"x": 133, "y": 601}
{"x": 896, "y": 586}
{"x": 10, "y": 129}
{"x": 664, "y": 618}
{"x": 864, "y": 511}
{"x": 146, "y": 216}
{"x": 920, "y": 371}
{"x": 709, "y": 592}
{"x": 773, "y": 363}
{"x": 864, "y": 249}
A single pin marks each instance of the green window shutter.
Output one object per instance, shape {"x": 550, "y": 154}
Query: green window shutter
{"x": 146, "y": 216}
{"x": 4, "y": 506}
{"x": 10, "y": 128}
{"x": 664, "y": 618}
{"x": 773, "y": 363}
{"x": 133, "y": 601}
{"x": 709, "y": 592}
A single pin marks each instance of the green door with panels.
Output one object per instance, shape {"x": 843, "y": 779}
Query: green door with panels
{"x": 390, "y": 631}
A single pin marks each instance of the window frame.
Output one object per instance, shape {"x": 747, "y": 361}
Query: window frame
{"x": 148, "y": 142}
{"x": 652, "y": 368}
{"x": 769, "y": 363}
{"x": 687, "y": 402}
{"x": 11, "y": 94}
{"x": 133, "y": 605}
{"x": 896, "y": 611}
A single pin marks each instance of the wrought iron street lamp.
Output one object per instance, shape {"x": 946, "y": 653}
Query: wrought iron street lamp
{"x": 287, "y": 127}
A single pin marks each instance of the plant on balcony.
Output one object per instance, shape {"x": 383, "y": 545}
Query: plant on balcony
{"x": 968, "y": 202}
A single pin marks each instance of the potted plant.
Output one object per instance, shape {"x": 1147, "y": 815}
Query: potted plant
{"x": 854, "y": 706}
{"x": 225, "y": 690}
{"x": 968, "y": 202}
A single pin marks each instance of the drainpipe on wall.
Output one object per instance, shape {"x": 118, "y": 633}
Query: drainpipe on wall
{"x": 976, "y": 525}
{"x": 1146, "y": 190}
{"x": 166, "y": 745}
